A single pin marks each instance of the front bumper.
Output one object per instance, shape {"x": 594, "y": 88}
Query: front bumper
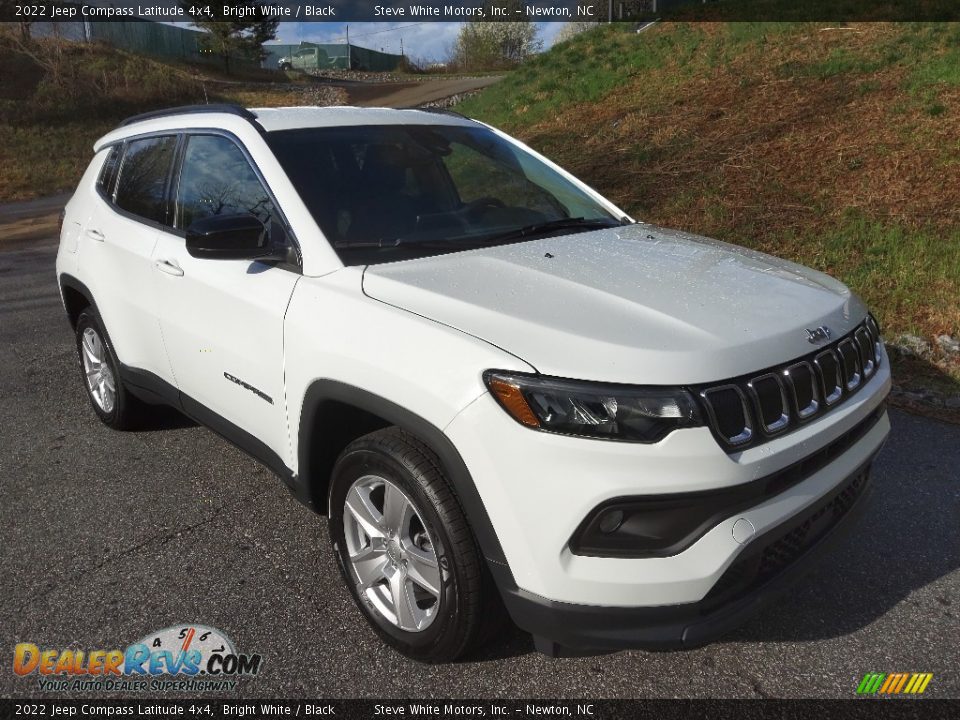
{"x": 537, "y": 488}
{"x": 760, "y": 574}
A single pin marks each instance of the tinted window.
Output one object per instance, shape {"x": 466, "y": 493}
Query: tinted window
{"x": 482, "y": 177}
{"x": 382, "y": 192}
{"x": 141, "y": 188}
{"x": 108, "y": 173}
{"x": 217, "y": 179}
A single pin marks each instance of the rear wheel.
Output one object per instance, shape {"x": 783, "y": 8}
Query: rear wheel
{"x": 405, "y": 549}
{"x": 114, "y": 405}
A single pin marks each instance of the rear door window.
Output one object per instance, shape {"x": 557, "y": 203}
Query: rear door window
{"x": 144, "y": 172}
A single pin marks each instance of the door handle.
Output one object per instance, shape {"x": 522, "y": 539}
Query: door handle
{"x": 95, "y": 235}
{"x": 170, "y": 267}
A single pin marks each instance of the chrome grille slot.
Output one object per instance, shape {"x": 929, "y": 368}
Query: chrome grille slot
{"x": 874, "y": 331}
{"x": 867, "y": 351}
{"x": 802, "y": 382}
{"x": 729, "y": 414}
{"x": 770, "y": 402}
{"x": 850, "y": 363}
{"x": 748, "y": 410}
{"x": 828, "y": 367}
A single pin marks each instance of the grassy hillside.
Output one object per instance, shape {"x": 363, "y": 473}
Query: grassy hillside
{"x": 838, "y": 147}
{"x": 47, "y": 131}
{"x": 835, "y": 147}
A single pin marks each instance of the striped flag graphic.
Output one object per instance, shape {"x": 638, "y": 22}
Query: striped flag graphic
{"x": 894, "y": 683}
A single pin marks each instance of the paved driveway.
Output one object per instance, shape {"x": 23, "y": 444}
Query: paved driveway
{"x": 105, "y": 536}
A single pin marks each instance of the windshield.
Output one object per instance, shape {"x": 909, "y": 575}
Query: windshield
{"x": 387, "y": 192}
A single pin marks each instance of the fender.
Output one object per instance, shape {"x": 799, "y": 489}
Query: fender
{"x": 313, "y": 476}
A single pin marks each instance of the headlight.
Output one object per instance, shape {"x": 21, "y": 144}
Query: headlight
{"x": 596, "y": 410}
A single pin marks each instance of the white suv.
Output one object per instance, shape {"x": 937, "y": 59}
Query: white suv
{"x": 503, "y": 391}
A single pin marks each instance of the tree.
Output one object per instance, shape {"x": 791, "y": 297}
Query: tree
{"x": 232, "y": 38}
{"x": 492, "y": 45}
{"x": 575, "y": 27}
{"x": 47, "y": 53}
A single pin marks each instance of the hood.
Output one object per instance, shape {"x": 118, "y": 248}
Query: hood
{"x": 637, "y": 304}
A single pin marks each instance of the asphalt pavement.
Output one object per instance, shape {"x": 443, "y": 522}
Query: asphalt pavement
{"x": 107, "y": 536}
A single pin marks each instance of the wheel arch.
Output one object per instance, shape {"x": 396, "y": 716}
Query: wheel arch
{"x": 316, "y": 460}
{"x": 76, "y": 296}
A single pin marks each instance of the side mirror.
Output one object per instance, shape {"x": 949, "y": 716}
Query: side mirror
{"x": 229, "y": 237}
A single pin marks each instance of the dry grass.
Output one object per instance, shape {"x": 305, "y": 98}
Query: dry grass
{"x": 47, "y": 132}
{"x": 835, "y": 148}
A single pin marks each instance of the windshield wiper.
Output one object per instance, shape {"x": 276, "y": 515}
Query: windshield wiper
{"x": 474, "y": 243}
{"x": 395, "y": 243}
{"x": 571, "y": 223}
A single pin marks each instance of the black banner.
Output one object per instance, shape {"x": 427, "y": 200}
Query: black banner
{"x": 205, "y": 709}
{"x": 480, "y": 10}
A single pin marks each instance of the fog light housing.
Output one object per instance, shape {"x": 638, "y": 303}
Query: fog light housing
{"x": 610, "y": 521}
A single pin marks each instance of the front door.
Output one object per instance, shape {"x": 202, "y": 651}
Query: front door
{"x": 222, "y": 320}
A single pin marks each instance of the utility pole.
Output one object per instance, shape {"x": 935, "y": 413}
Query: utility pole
{"x": 349, "y": 63}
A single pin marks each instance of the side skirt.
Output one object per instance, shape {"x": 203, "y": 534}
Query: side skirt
{"x": 152, "y": 389}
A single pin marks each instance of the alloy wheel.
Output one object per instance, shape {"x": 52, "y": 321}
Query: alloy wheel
{"x": 96, "y": 368}
{"x": 391, "y": 555}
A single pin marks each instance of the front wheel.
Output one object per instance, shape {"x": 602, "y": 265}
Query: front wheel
{"x": 405, "y": 549}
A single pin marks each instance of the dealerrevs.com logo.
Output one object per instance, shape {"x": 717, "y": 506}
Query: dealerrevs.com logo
{"x": 187, "y": 658}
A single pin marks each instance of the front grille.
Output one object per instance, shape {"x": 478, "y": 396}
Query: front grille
{"x": 750, "y": 410}
{"x": 760, "y": 567}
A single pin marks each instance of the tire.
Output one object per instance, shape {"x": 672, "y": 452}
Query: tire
{"x": 438, "y": 626}
{"x": 111, "y": 401}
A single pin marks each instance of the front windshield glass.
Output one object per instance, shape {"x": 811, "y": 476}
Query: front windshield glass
{"x": 387, "y": 192}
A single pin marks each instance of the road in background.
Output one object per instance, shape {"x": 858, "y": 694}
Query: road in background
{"x": 106, "y": 536}
{"x": 401, "y": 95}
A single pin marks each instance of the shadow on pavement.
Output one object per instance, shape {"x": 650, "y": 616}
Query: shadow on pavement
{"x": 906, "y": 539}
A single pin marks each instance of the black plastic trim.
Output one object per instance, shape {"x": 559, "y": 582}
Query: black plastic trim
{"x": 570, "y": 629}
{"x": 439, "y": 111}
{"x": 719, "y": 504}
{"x": 239, "y": 437}
{"x": 322, "y": 391}
{"x": 222, "y": 108}
{"x": 69, "y": 281}
{"x": 144, "y": 382}
{"x": 149, "y": 388}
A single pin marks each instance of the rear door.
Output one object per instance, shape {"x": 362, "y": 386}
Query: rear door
{"x": 222, "y": 320}
{"x": 116, "y": 247}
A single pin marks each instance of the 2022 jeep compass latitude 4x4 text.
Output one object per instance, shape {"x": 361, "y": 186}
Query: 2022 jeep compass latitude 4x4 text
{"x": 504, "y": 393}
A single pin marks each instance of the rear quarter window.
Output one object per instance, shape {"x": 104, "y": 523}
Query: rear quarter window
{"x": 108, "y": 173}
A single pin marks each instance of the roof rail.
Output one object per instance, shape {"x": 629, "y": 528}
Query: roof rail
{"x": 227, "y": 108}
{"x": 438, "y": 111}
